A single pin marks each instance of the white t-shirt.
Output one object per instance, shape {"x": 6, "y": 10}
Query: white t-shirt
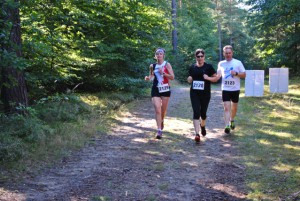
{"x": 230, "y": 82}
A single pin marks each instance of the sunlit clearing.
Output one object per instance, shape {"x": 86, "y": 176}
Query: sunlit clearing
{"x": 282, "y": 167}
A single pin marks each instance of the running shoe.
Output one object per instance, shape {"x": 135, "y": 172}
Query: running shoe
{"x": 203, "y": 131}
{"x": 162, "y": 125}
{"x": 197, "y": 138}
{"x": 232, "y": 125}
{"x": 159, "y": 135}
{"x": 227, "y": 129}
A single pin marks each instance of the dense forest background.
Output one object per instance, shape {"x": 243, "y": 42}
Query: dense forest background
{"x": 50, "y": 47}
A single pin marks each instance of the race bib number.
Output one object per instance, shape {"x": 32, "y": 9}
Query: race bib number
{"x": 198, "y": 85}
{"x": 163, "y": 88}
{"x": 229, "y": 83}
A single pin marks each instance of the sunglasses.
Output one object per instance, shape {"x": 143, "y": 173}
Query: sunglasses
{"x": 200, "y": 56}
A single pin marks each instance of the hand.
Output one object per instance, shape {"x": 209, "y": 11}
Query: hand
{"x": 233, "y": 73}
{"x": 205, "y": 76}
{"x": 161, "y": 71}
{"x": 189, "y": 79}
{"x": 147, "y": 78}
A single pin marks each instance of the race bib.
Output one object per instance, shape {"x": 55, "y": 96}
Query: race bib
{"x": 198, "y": 85}
{"x": 229, "y": 83}
{"x": 163, "y": 88}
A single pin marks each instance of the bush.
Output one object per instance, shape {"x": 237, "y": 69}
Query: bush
{"x": 17, "y": 132}
{"x": 125, "y": 84}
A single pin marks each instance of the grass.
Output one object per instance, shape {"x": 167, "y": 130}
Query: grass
{"x": 56, "y": 127}
{"x": 268, "y": 132}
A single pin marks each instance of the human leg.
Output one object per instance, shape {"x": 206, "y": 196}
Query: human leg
{"x": 157, "y": 103}
{"x": 204, "y": 106}
{"x": 234, "y": 107}
{"x": 227, "y": 106}
{"x": 226, "y": 97}
{"x": 164, "y": 107}
{"x": 195, "y": 100}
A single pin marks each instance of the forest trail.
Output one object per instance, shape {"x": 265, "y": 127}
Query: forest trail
{"x": 129, "y": 164}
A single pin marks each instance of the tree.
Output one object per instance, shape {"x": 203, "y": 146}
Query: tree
{"x": 275, "y": 25}
{"x": 13, "y": 91}
{"x": 174, "y": 31}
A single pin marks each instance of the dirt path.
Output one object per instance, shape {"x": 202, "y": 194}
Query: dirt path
{"x": 129, "y": 164}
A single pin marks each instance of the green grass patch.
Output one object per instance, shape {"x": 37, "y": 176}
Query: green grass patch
{"x": 53, "y": 128}
{"x": 268, "y": 132}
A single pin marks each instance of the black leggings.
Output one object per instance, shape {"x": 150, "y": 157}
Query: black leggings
{"x": 200, "y": 104}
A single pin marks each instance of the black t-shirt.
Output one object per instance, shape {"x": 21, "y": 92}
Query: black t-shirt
{"x": 197, "y": 74}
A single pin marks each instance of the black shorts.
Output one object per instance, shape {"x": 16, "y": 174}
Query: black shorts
{"x": 231, "y": 96}
{"x": 155, "y": 93}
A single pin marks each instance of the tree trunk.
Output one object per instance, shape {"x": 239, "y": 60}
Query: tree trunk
{"x": 14, "y": 90}
{"x": 220, "y": 41}
{"x": 174, "y": 32}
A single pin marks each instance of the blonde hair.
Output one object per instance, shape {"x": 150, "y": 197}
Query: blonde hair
{"x": 227, "y": 47}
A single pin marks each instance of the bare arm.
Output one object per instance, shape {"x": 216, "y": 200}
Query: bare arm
{"x": 169, "y": 75}
{"x": 214, "y": 78}
{"x": 189, "y": 79}
{"x": 148, "y": 78}
{"x": 240, "y": 75}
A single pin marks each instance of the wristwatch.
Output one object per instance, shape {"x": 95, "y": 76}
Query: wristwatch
{"x": 236, "y": 73}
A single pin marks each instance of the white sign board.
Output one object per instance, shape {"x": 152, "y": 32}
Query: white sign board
{"x": 279, "y": 80}
{"x": 254, "y": 82}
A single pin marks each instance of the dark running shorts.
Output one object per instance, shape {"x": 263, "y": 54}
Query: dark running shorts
{"x": 155, "y": 93}
{"x": 231, "y": 96}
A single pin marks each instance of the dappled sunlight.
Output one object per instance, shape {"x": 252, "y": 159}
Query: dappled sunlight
{"x": 141, "y": 140}
{"x": 152, "y": 152}
{"x": 277, "y": 134}
{"x": 177, "y": 125}
{"x": 92, "y": 100}
{"x": 259, "y": 195}
{"x": 252, "y": 164}
{"x": 13, "y": 194}
{"x": 229, "y": 189}
{"x": 227, "y": 145}
{"x": 264, "y": 142}
{"x": 191, "y": 163}
{"x": 282, "y": 167}
{"x": 288, "y": 146}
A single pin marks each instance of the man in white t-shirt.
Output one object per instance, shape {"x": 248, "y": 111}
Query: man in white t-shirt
{"x": 231, "y": 71}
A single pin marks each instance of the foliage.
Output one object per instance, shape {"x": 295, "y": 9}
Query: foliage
{"x": 276, "y": 28}
{"x": 70, "y": 42}
{"x": 195, "y": 30}
{"x": 54, "y": 120}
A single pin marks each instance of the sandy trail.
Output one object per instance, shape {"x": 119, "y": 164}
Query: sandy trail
{"x": 129, "y": 164}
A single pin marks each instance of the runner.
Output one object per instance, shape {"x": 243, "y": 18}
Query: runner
{"x": 160, "y": 72}
{"x": 201, "y": 74}
{"x": 231, "y": 71}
